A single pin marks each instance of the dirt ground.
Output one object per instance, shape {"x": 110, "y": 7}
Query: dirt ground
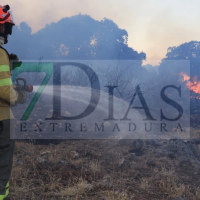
{"x": 106, "y": 170}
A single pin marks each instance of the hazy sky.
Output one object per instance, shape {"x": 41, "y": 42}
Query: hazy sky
{"x": 152, "y": 25}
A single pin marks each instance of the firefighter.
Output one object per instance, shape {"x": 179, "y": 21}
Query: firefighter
{"x": 8, "y": 97}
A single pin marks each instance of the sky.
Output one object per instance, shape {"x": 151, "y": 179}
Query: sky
{"x": 152, "y": 25}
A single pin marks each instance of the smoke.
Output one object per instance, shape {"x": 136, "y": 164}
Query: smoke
{"x": 152, "y": 25}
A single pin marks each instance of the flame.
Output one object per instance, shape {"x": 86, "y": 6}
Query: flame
{"x": 193, "y": 84}
{"x": 185, "y": 76}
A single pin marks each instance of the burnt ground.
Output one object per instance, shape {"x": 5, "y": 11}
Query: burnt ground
{"x": 107, "y": 170}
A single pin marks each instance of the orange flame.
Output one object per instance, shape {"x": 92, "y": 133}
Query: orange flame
{"x": 185, "y": 76}
{"x": 193, "y": 85}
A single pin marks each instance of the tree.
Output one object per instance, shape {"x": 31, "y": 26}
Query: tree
{"x": 187, "y": 51}
{"x": 20, "y": 41}
{"x": 76, "y": 37}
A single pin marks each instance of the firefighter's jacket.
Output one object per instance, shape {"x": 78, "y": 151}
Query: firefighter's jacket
{"x": 7, "y": 94}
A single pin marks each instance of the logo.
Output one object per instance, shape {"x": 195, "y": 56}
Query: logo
{"x": 103, "y": 100}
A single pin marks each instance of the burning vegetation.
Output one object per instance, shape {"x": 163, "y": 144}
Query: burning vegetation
{"x": 193, "y": 85}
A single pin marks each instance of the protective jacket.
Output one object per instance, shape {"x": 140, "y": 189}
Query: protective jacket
{"x": 7, "y": 94}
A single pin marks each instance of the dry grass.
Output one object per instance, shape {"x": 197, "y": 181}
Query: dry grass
{"x": 110, "y": 195}
{"x": 53, "y": 172}
{"x": 144, "y": 184}
{"x": 79, "y": 189}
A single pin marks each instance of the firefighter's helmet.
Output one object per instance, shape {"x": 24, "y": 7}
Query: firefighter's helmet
{"x": 6, "y": 22}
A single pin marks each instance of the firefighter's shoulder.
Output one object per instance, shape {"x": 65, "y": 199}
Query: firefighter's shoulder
{"x": 4, "y": 59}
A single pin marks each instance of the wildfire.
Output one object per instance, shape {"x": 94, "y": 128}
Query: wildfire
{"x": 185, "y": 76}
{"x": 193, "y": 84}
